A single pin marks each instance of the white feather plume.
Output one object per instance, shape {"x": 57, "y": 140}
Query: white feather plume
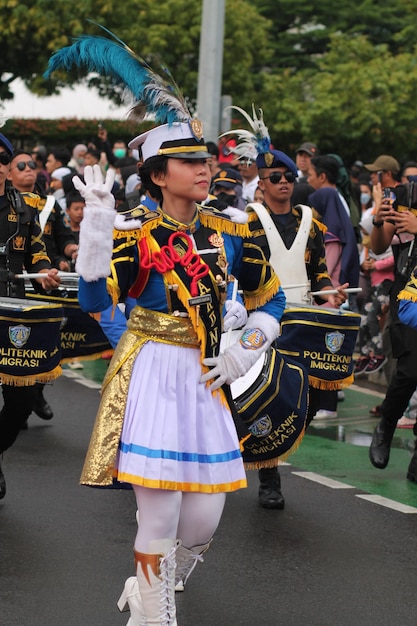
{"x": 257, "y": 139}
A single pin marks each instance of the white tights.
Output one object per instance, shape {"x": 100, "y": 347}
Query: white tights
{"x": 190, "y": 517}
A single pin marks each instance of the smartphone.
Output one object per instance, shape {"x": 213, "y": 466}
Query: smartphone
{"x": 379, "y": 175}
{"x": 100, "y": 126}
{"x": 387, "y": 192}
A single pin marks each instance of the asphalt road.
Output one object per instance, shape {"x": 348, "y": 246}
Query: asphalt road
{"x": 330, "y": 558}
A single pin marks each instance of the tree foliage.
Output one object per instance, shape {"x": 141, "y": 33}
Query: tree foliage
{"x": 342, "y": 76}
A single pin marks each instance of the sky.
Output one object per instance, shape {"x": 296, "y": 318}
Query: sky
{"x": 80, "y": 102}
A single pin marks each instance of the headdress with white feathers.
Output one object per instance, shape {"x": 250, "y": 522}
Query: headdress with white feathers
{"x": 258, "y": 139}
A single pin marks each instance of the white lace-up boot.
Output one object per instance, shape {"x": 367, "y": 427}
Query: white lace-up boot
{"x": 187, "y": 559}
{"x": 156, "y": 580}
{"x": 131, "y": 598}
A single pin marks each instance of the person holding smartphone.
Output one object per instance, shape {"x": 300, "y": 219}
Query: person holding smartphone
{"x": 398, "y": 217}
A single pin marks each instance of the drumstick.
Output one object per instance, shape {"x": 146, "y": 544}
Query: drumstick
{"x": 333, "y": 292}
{"x": 72, "y": 275}
{"x": 234, "y": 294}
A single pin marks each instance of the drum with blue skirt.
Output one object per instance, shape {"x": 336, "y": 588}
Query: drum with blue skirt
{"x": 30, "y": 341}
{"x": 323, "y": 341}
{"x": 269, "y": 408}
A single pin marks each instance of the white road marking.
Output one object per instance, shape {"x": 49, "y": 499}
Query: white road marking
{"x": 322, "y": 480}
{"x": 79, "y": 378}
{"x": 390, "y": 504}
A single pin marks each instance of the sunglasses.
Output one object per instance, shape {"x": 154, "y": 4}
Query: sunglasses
{"x": 275, "y": 177}
{"x": 5, "y": 158}
{"x": 21, "y": 166}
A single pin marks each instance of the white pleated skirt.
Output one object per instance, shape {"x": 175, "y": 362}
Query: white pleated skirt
{"x": 176, "y": 434}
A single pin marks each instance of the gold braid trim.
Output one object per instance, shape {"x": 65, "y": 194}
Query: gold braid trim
{"x": 113, "y": 290}
{"x": 321, "y": 276}
{"x": 127, "y": 234}
{"x": 264, "y": 294}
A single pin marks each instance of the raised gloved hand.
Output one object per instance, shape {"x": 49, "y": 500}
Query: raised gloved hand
{"x": 236, "y": 315}
{"x": 259, "y": 333}
{"x": 96, "y": 229}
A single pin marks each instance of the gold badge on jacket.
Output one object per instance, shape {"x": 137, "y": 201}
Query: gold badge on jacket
{"x": 19, "y": 243}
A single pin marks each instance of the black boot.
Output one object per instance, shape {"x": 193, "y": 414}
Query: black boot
{"x": 381, "y": 443}
{"x": 270, "y": 496}
{"x": 412, "y": 468}
{"x": 2, "y": 485}
{"x": 41, "y": 407}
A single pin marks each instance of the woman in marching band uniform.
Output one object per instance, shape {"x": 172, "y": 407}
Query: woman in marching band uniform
{"x": 164, "y": 424}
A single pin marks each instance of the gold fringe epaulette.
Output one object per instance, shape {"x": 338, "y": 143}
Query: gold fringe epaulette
{"x": 410, "y": 290}
{"x": 408, "y": 294}
{"x": 252, "y": 216}
{"x": 264, "y": 294}
{"x": 213, "y": 218}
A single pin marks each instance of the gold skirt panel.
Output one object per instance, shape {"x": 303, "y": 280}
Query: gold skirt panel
{"x": 143, "y": 326}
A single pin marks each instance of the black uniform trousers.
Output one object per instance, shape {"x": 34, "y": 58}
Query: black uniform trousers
{"x": 401, "y": 387}
{"x": 18, "y": 405}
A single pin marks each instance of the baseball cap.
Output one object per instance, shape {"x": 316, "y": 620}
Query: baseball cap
{"x": 227, "y": 177}
{"x": 309, "y": 148}
{"x": 384, "y": 162}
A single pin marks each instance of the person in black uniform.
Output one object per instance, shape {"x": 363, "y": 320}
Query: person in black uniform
{"x": 61, "y": 246}
{"x": 21, "y": 246}
{"x": 396, "y": 217}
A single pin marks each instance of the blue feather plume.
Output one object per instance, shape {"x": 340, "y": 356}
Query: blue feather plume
{"x": 151, "y": 92}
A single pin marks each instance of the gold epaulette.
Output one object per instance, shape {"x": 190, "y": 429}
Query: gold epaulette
{"x": 33, "y": 200}
{"x": 149, "y": 219}
{"x": 410, "y": 290}
{"x": 320, "y": 225}
{"x": 213, "y": 218}
{"x": 264, "y": 294}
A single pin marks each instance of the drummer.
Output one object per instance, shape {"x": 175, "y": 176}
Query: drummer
{"x": 21, "y": 246}
{"x": 303, "y": 250}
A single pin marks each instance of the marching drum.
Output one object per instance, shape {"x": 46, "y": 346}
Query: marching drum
{"x": 270, "y": 404}
{"x": 322, "y": 340}
{"x": 81, "y": 334}
{"x": 30, "y": 348}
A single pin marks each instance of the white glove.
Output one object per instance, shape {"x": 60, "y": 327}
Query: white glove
{"x": 259, "y": 333}
{"x": 236, "y": 315}
{"x": 96, "y": 229}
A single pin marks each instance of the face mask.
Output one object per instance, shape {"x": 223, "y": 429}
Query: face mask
{"x": 225, "y": 200}
{"x": 119, "y": 153}
{"x": 80, "y": 160}
{"x": 365, "y": 197}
